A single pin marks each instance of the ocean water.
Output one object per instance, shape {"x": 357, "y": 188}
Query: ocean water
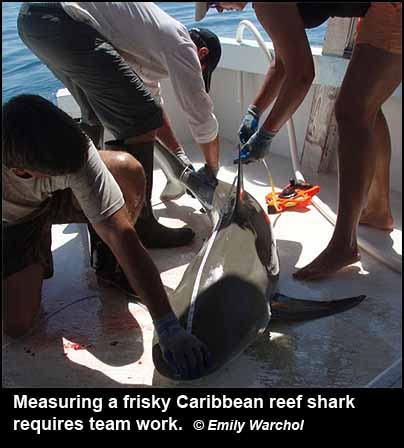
{"x": 24, "y": 73}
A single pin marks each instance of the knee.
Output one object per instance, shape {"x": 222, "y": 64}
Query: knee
{"x": 277, "y": 67}
{"x": 305, "y": 81}
{"x": 21, "y": 299}
{"x": 16, "y": 328}
{"x": 351, "y": 112}
{"x": 302, "y": 74}
{"x": 18, "y": 320}
{"x": 307, "y": 74}
{"x": 342, "y": 110}
{"x": 129, "y": 173}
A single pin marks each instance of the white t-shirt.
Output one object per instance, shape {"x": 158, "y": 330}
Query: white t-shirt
{"x": 157, "y": 47}
{"x": 94, "y": 187}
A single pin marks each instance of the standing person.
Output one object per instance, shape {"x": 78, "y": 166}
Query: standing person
{"x": 86, "y": 45}
{"x": 53, "y": 174}
{"x": 374, "y": 72}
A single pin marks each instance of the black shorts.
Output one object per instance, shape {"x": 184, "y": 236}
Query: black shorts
{"x": 106, "y": 88}
{"x": 315, "y": 14}
{"x": 29, "y": 241}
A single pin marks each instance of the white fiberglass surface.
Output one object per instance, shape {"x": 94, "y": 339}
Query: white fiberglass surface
{"x": 90, "y": 336}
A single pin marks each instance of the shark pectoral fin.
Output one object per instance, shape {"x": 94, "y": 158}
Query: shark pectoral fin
{"x": 286, "y": 308}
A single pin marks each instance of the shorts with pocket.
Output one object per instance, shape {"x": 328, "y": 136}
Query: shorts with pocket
{"x": 29, "y": 240}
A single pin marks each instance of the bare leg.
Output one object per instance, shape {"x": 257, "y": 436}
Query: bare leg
{"x": 372, "y": 76}
{"x": 377, "y": 213}
{"x": 130, "y": 175}
{"x": 21, "y": 300}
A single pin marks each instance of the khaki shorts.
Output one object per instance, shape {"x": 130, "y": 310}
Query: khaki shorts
{"x": 382, "y": 27}
{"x": 29, "y": 241}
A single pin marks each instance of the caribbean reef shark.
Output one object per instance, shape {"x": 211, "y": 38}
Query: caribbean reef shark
{"x": 228, "y": 294}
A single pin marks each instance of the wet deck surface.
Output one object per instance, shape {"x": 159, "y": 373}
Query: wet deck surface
{"x": 389, "y": 378}
{"x": 88, "y": 336}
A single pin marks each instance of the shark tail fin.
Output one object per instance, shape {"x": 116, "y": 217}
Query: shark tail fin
{"x": 284, "y": 308}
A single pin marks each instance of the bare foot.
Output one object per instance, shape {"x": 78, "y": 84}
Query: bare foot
{"x": 327, "y": 263}
{"x": 378, "y": 220}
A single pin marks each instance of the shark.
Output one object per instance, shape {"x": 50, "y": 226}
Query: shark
{"x": 229, "y": 294}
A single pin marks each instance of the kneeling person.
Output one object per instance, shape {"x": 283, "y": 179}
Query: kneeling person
{"x": 53, "y": 174}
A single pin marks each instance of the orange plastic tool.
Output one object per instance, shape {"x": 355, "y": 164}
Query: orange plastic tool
{"x": 295, "y": 194}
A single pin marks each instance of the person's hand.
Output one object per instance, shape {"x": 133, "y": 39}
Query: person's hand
{"x": 249, "y": 125}
{"x": 186, "y": 355}
{"x": 180, "y": 153}
{"x": 202, "y": 184}
{"x": 257, "y": 147}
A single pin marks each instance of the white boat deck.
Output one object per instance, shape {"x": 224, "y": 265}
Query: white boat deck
{"x": 88, "y": 336}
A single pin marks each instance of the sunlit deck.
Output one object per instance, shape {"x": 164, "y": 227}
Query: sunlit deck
{"x": 89, "y": 336}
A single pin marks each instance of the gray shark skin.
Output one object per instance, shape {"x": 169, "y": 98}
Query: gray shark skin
{"x": 172, "y": 169}
{"x": 228, "y": 294}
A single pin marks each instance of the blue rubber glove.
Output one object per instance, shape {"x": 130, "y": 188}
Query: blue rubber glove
{"x": 257, "y": 147}
{"x": 249, "y": 125}
{"x": 187, "y": 356}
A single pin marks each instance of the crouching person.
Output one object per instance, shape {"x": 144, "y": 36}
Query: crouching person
{"x": 53, "y": 174}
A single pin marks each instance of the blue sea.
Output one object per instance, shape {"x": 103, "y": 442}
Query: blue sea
{"x": 24, "y": 73}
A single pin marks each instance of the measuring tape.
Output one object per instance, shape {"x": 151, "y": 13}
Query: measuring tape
{"x": 271, "y": 181}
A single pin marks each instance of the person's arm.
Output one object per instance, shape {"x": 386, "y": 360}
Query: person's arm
{"x": 268, "y": 92}
{"x": 99, "y": 196}
{"x": 271, "y": 86}
{"x": 183, "y": 351}
{"x": 285, "y": 27}
{"x": 167, "y": 137}
{"x": 166, "y": 134}
{"x": 186, "y": 78}
{"x": 117, "y": 232}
